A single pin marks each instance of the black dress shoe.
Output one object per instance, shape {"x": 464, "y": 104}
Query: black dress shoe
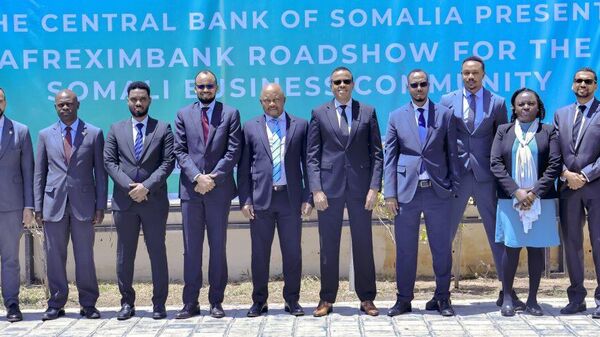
{"x": 216, "y": 311}
{"x": 13, "y": 313}
{"x": 294, "y": 308}
{"x": 90, "y": 312}
{"x": 159, "y": 312}
{"x": 573, "y": 308}
{"x": 596, "y": 313}
{"x": 188, "y": 311}
{"x": 256, "y": 309}
{"x": 508, "y": 310}
{"x": 127, "y": 311}
{"x": 399, "y": 308}
{"x": 518, "y": 305}
{"x": 52, "y": 313}
{"x": 431, "y": 305}
{"x": 534, "y": 309}
{"x": 445, "y": 308}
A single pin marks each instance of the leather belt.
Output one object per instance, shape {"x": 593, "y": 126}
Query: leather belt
{"x": 424, "y": 183}
{"x": 279, "y": 188}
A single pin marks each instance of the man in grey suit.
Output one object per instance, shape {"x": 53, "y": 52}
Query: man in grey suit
{"x": 208, "y": 146}
{"x": 139, "y": 157}
{"x": 345, "y": 164}
{"x": 478, "y": 113}
{"x": 16, "y": 203}
{"x": 70, "y": 187}
{"x": 578, "y": 128}
{"x": 421, "y": 170}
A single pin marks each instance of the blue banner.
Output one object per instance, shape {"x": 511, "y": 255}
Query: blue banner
{"x": 97, "y": 48}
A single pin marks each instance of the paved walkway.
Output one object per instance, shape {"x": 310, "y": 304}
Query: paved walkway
{"x": 475, "y": 318}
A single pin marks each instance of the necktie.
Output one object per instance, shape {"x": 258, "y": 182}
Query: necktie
{"x": 472, "y": 111}
{"x": 205, "y": 124}
{"x": 68, "y": 144}
{"x": 344, "y": 125}
{"x": 139, "y": 144}
{"x": 577, "y": 124}
{"x": 422, "y": 134}
{"x": 276, "y": 150}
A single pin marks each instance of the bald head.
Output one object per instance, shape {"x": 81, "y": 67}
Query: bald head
{"x": 272, "y": 99}
{"x": 66, "y": 105}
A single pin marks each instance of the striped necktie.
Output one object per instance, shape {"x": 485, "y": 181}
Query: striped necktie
{"x": 139, "y": 144}
{"x": 68, "y": 144}
{"x": 276, "y": 149}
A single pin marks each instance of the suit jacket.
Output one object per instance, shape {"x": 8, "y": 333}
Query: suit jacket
{"x": 217, "y": 155}
{"x": 83, "y": 181}
{"x": 474, "y": 146}
{"x": 584, "y": 158}
{"x": 16, "y": 167}
{"x": 333, "y": 166}
{"x": 548, "y": 159}
{"x": 255, "y": 170}
{"x": 404, "y": 153}
{"x": 153, "y": 168}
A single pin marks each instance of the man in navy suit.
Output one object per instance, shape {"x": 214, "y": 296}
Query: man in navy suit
{"x": 421, "y": 170}
{"x": 477, "y": 113}
{"x": 70, "y": 191}
{"x": 207, "y": 146}
{"x": 139, "y": 158}
{"x": 16, "y": 203}
{"x": 273, "y": 189}
{"x": 578, "y": 128}
{"x": 345, "y": 162}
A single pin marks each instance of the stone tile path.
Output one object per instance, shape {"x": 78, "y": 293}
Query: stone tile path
{"x": 474, "y": 318}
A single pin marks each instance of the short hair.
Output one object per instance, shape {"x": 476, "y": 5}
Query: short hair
{"x": 342, "y": 68}
{"x": 587, "y": 70}
{"x": 3, "y": 92}
{"x": 541, "y": 109}
{"x": 206, "y": 72}
{"x": 417, "y": 70}
{"x": 138, "y": 85}
{"x": 476, "y": 59}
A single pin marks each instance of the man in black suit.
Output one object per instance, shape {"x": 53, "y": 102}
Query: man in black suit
{"x": 139, "y": 157}
{"x": 345, "y": 164}
{"x": 273, "y": 188}
{"x": 578, "y": 128}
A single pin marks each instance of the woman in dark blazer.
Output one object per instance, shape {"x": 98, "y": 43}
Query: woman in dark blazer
{"x": 525, "y": 160}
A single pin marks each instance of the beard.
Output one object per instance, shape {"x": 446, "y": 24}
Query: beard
{"x": 206, "y": 101}
{"x": 135, "y": 113}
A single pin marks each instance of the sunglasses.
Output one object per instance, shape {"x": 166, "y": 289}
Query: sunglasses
{"x": 586, "y": 81}
{"x": 205, "y": 86}
{"x": 338, "y": 82}
{"x": 419, "y": 84}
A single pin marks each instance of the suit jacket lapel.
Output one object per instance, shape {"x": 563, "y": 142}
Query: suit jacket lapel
{"x": 150, "y": 132}
{"x": 290, "y": 129}
{"x": 430, "y": 123}
{"x": 264, "y": 137}
{"x": 128, "y": 132}
{"x": 412, "y": 124}
{"x": 79, "y": 134}
{"x": 355, "y": 121}
{"x": 487, "y": 108}
{"x": 215, "y": 120}
{"x": 334, "y": 123}
{"x": 591, "y": 117}
{"x": 6, "y": 135}
{"x": 57, "y": 138}
{"x": 196, "y": 123}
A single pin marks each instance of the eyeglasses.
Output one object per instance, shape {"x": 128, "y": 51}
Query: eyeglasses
{"x": 586, "y": 81}
{"x": 205, "y": 86}
{"x": 419, "y": 84}
{"x": 338, "y": 82}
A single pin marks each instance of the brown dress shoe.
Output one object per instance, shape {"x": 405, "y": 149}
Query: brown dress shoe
{"x": 369, "y": 308}
{"x": 323, "y": 309}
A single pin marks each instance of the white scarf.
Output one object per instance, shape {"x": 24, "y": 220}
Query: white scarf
{"x": 526, "y": 173}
